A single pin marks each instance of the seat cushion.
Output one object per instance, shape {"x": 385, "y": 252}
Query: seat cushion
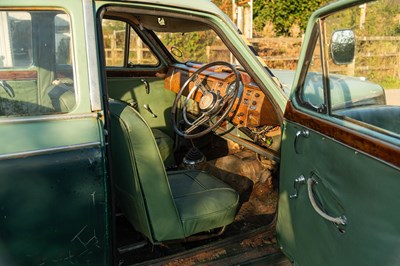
{"x": 203, "y": 201}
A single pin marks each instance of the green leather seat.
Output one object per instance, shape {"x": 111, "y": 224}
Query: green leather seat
{"x": 60, "y": 96}
{"x": 159, "y": 205}
{"x": 166, "y": 147}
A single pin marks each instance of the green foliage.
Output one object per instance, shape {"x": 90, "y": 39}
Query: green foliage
{"x": 224, "y": 5}
{"x": 384, "y": 22}
{"x": 283, "y": 14}
{"x": 374, "y": 26}
{"x": 381, "y": 19}
{"x": 116, "y": 29}
{"x": 193, "y": 45}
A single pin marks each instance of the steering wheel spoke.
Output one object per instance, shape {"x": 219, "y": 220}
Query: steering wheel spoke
{"x": 227, "y": 97}
{"x": 198, "y": 122}
{"x": 198, "y": 84}
{"x": 214, "y": 108}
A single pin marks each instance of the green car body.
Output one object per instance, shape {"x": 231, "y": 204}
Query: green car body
{"x": 57, "y": 198}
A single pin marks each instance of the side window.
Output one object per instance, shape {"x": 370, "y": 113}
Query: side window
{"x": 364, "y": 65}
{"x": 123, "y": 47}
{"x": 362, "y": 50}
{"x": 32, "y": 46}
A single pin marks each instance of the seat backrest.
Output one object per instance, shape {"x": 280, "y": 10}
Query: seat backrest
{"x": 60, "y": 95}
{"x": 140, "y": 180}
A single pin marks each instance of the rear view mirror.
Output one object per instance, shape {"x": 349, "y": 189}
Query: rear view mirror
{"x": 342, "y": 47}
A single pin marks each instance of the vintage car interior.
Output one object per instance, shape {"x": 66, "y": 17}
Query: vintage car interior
{"x": 194, "y": 140}
{"x": 192, "y": 136}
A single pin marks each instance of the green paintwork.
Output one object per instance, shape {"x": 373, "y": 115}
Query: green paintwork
{"x": 18, "y": 137}
{"x": 53, "y": 209}
{"x": 53, "y": 191}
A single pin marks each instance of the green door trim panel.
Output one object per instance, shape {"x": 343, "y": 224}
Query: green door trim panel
{"x": 351, "y": 185}
{"x": 157, "y": 99}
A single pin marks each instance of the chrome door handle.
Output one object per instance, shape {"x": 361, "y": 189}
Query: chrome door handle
{"x": 302, "y": 133}
{"x": 337, "y": 220}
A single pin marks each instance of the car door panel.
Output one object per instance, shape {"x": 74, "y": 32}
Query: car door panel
{"x": 351, "y": 184}
{"x": 52, "y": 209}
{"x": 52, "y": 192}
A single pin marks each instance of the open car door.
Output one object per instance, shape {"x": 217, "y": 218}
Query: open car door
{"x": 341, "y": 153}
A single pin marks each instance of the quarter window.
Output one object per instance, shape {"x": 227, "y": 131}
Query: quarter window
{"x": 123, "y": 47}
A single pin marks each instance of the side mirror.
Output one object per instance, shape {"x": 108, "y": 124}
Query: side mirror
{"x": 343, "y": 47}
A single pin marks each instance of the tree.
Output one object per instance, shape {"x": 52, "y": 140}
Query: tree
{"x": 284, "y": 14}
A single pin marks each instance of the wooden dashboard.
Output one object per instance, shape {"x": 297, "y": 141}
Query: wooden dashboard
{"x": 252, "y": 109}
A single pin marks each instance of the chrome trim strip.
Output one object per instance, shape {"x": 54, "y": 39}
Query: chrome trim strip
{"x": 24, "y": 154}
{"x": 91, "y": 53}
{"x": 28, "y": 119}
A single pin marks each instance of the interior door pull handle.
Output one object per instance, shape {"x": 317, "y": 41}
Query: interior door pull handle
{"x": 302, "y": 133}
{"x": 9, "y": 90}
{"x": 147, "y": 107}
{"x": 146, "y": 85}
{"x": 337, "y": 220}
